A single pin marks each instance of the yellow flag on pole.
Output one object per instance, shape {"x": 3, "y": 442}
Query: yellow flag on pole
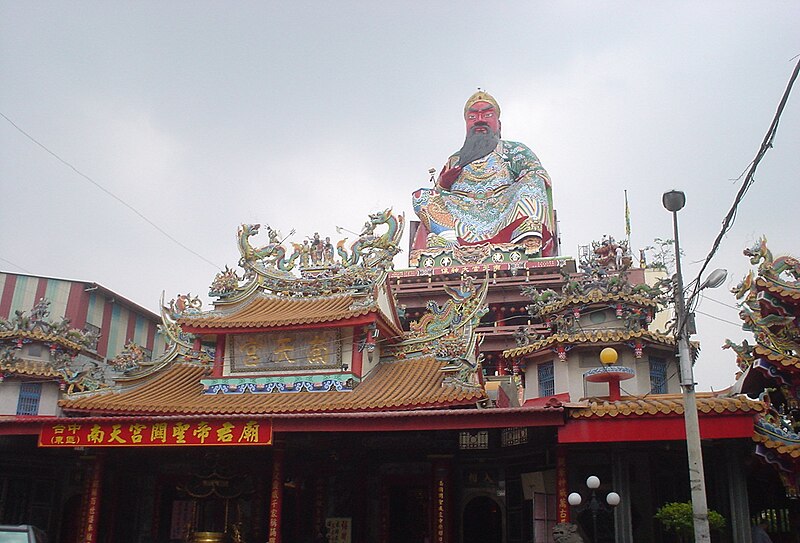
{"x": 627, "y": 217}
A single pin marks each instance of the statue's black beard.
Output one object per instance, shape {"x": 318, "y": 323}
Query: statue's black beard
{"x": 477, "y": 145}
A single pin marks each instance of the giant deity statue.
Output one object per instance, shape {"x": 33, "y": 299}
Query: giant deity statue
{"x": 491, "y": 191}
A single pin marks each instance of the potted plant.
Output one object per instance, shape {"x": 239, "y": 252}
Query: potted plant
{"x": 677, "y": 517}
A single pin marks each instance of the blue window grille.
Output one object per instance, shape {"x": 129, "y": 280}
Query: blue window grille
{"x": 658, "y": 375}
{"x": 547, "y": 385}
{"x": 29, "y": 396}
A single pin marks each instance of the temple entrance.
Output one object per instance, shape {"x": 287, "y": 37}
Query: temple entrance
{"x": 482, "y": 521}
{"x": 409, "y": 517}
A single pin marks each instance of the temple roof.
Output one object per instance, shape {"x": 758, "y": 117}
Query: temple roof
{"x": 784, "y": 290}
{"x": 782, "y": 446}
{"x": 664, "y": 404}
{"x": 783, "y": 359}
{"x": 595, "y": 297}
{"x": 267, "y": 311}
{"x": 32, "y": 368}
{"x": 41, "y": 335}
{"x": 613, "y": 336}
{"x": 402, "y": 385}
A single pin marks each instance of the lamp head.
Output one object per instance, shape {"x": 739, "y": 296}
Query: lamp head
{"x": 593, "y": 482}
{"x": 673, "y": 200}
{"x": 714, "y": 280}
{"x": 574, "y": 499}
{"x": 608, "y": 355}
{"x": 613, "y": 499}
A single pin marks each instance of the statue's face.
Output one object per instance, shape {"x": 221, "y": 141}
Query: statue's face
{"x": 482, "y": 118}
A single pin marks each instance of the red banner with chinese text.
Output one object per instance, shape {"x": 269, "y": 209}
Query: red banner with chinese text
{"x": 156, "y": 434}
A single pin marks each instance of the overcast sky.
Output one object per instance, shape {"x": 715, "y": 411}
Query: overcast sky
{"x": 308, "y": 115}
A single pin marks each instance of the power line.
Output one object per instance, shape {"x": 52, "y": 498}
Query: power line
{"x": 766, "y": 145}
{"x": 706, "y": 297}
{"x": 15, "y": 265}
{"x": 736, "y": 324}
{"x": 108, "y": 192}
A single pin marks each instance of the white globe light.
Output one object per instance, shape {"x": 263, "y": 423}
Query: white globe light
{"x": 613, "y": 499}
{"x": 574, "y": 499}
{"x": 593, "y": 482}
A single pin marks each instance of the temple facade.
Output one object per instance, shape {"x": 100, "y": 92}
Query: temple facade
{"x": 327, "y": 397}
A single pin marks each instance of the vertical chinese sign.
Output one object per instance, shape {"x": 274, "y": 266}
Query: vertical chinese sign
{"x": 441, "y": 484}
{"x": 339, "y": 529}
{"x": 276, "y": 497}
{"x": 91, "y": 504}
{"x": 561, "y": 485}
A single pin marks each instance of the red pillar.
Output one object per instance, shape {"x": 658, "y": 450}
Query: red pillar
{"x": 91, "y": 500}
{"x": 383, "y": 534}
{"x": 357, "y": 363}
{"x": 219, "y": 356}
{"x": 561, "y": 485}
{"x": 318, "y": 513}
{"x": 276, "y": 495}
{"x": 500, "y": 316}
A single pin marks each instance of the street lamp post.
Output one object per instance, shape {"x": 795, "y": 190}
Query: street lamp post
{"x": 674, "y": 201}
{"x": 595, "y": 505}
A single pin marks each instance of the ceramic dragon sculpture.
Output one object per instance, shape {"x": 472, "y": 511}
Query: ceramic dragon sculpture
{"x": 772, "y": 267}
{"x": 273, "y": 254}
{"x": 371, "y": 249}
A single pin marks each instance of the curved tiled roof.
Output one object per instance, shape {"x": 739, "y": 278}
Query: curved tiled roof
{"x": 270, "y": 311}
{"x": 33, "y": 368}
{"x": 40, "y": 335}
{"x": 790, "y": 449}
{"x": 401, "y": 385}
{"x": 783, "y": 359}
{"x": 596, "y": 296}
{"x": 782, "y": 290}
{"x": 589, "y": 337}
{"x": 663, "y": 404}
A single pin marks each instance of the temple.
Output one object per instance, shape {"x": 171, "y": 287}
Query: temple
{"x": 326, "y": 396}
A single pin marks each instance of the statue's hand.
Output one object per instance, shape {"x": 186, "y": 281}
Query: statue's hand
{"x": 448, "y": 176}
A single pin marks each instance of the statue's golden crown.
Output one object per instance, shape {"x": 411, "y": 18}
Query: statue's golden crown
{"x": 481, "y": 96}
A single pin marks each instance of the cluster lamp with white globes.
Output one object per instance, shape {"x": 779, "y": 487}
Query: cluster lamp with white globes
{"x": 594, "y": 505}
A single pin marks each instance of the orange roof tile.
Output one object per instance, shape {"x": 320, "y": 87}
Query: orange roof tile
{"x": 33, "y": 368}
{"x": 784, "y": 291}
{"x": 792, "y": 449}
{"x": 783, "y": 359}
{"x": 596, "y": 296}
{"x": 267, "y": 311}
{"x": 401, "y": 385}
{"x": 591, "y": 336}
{"x": 665, "y": 404}
{"x": 39, "y": 335}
